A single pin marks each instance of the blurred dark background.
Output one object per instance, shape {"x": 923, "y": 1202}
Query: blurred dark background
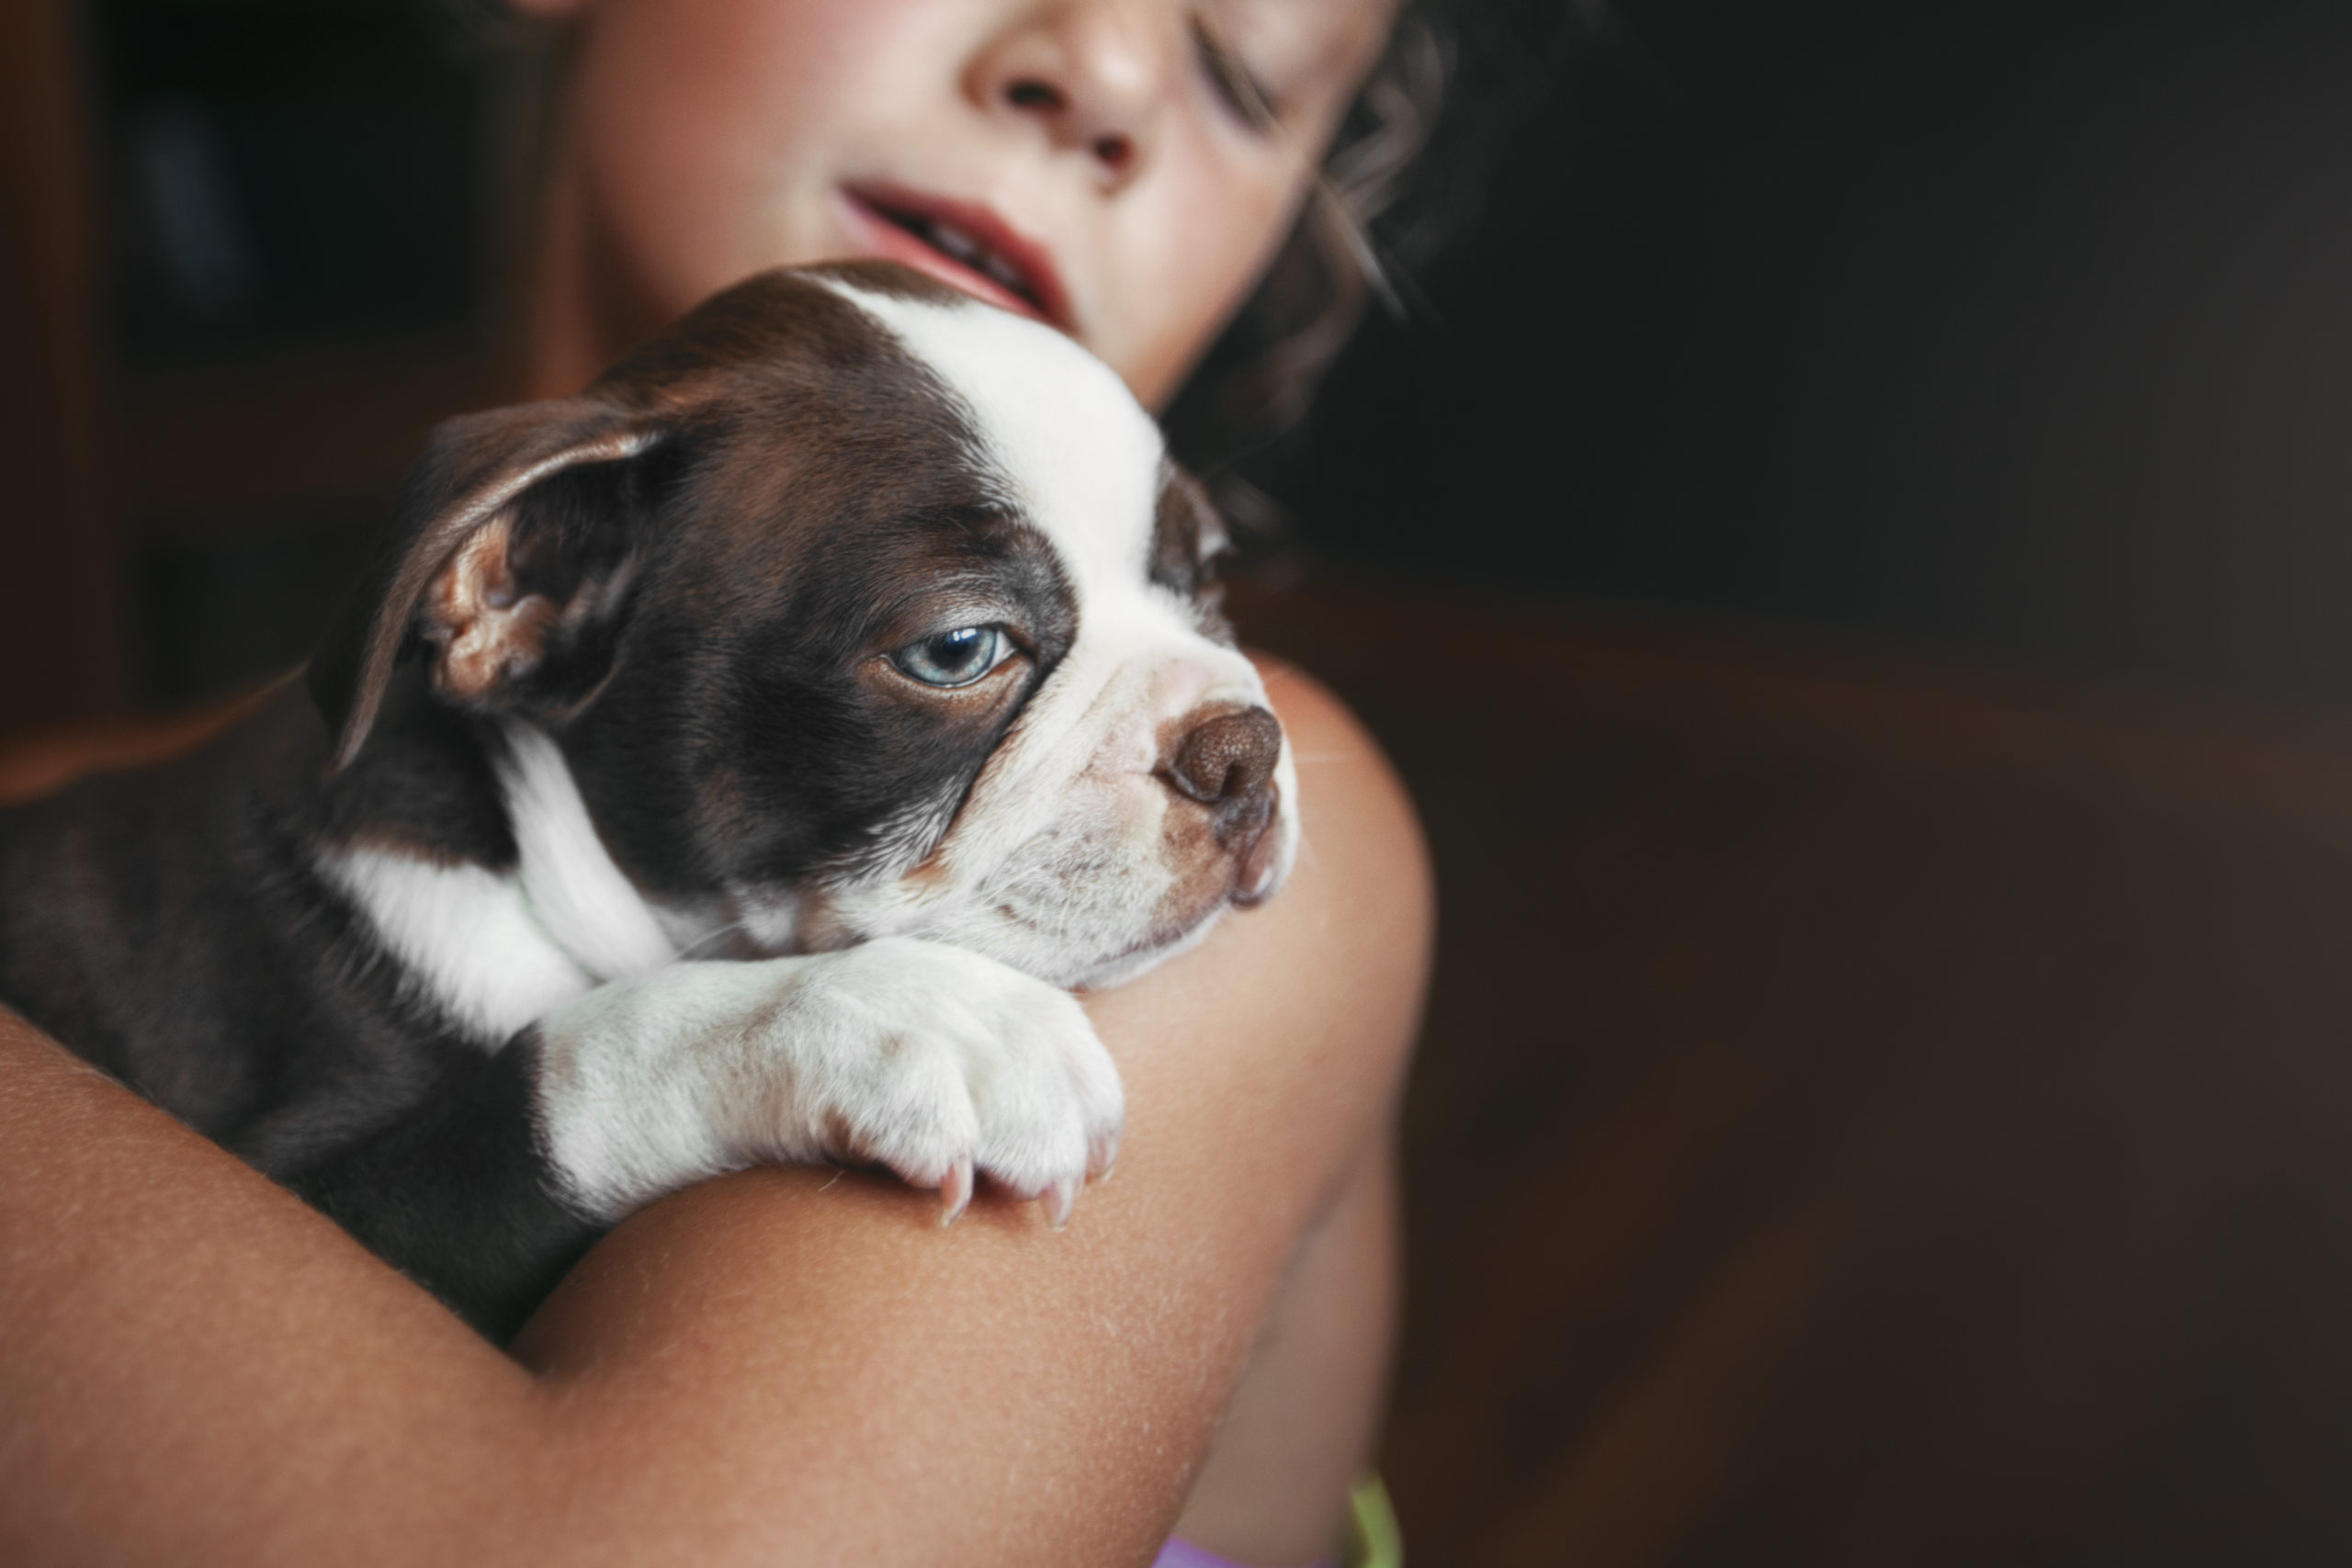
{"x": 2011, "y": 332}
{"x": 1846, "y": 550}
{"x": 287, "y": 243}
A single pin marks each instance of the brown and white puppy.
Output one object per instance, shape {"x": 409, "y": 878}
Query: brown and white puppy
{"x": 736, "y": 763}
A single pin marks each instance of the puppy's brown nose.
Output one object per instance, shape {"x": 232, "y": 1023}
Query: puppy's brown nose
{"x": 1226, "y": 763}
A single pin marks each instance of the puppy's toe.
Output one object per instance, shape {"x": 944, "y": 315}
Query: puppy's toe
{"x": 980, "y": 1071}
{"x": 956, "y": 1191}
{"x": 1046, "y": 1092}
{"x": 1061, "y": 1197}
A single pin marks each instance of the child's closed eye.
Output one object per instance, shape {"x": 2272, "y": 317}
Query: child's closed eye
{"x": 1246, "y": 97}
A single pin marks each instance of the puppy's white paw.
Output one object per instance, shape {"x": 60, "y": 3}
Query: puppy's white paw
{"x": 932, "y": 1060}
{"x": 939, "y": 1063}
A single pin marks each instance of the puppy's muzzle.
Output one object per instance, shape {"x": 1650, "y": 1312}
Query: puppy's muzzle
{"x": 1226, "y": 763}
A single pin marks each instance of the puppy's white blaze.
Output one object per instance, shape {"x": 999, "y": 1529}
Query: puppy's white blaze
{"x": 1056, "y": 864}
{"x": 585, "y": 901}
{"x": 1060, "y": 426}
{"x": 465, "y": 937}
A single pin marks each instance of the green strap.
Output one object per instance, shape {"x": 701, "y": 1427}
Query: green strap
{"x": 1378, "y": 1543}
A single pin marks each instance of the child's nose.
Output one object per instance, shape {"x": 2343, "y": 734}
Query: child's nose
{"x": 1093, "y": 74}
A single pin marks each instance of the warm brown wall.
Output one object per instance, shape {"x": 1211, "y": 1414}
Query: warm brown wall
{"x": 62, "y": 620}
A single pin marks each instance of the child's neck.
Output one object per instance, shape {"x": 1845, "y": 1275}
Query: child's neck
{"x": 584, "y": 313}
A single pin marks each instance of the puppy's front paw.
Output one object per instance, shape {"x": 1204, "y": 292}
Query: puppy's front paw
{"x": 941, "y": 1064}
{"x": 935, "y": 1062}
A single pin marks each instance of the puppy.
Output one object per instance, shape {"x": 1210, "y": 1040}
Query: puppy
{"x": 739, "y": 762}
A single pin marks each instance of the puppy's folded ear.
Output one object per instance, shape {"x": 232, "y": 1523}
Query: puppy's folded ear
{"x": 515, "y": 547}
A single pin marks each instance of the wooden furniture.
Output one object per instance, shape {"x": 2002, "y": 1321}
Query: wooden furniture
{"x": 63, "y": 623}
{"x": 182, "y": 512}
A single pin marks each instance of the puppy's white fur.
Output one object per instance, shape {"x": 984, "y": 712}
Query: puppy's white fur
{"x": 584, "y": 902}
{"x": 497, "y": 952}
{"x": 466, "y": 937}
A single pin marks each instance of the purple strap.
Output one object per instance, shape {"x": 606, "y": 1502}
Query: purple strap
{"x": 1185, "y": 1554}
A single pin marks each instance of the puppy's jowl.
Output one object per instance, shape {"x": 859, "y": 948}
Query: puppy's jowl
{"x": 736, "y": 763}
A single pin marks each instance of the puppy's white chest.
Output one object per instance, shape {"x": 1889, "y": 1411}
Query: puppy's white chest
{"x": 498, "y": 950}
{"x": 466, "y": 937}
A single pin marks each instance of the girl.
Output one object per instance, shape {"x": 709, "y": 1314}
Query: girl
{"x": 787, "y": 1366}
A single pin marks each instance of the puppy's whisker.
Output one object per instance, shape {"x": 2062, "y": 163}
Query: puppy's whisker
{"x": 1307, "y": 850}
{"x": 703, "y": 943}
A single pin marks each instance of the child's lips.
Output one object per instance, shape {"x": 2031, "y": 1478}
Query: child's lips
{"x": 964, "y": 245}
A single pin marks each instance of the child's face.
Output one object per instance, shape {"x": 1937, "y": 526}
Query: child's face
{"x": 1104, "y": 152}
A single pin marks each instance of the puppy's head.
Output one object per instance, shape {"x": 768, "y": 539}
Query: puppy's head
{"x": 856, "y": 608}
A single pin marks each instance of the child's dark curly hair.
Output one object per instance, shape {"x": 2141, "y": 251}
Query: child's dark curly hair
{"x": 1401, "y": 177}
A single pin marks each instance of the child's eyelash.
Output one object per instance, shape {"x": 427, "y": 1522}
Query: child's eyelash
{"x": 1249, "y": 98}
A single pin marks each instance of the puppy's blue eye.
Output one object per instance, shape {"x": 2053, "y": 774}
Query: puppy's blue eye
{"x": 954, "y": 658}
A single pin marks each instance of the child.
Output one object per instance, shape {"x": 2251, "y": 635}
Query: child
{"x": 775, "y": 1365}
